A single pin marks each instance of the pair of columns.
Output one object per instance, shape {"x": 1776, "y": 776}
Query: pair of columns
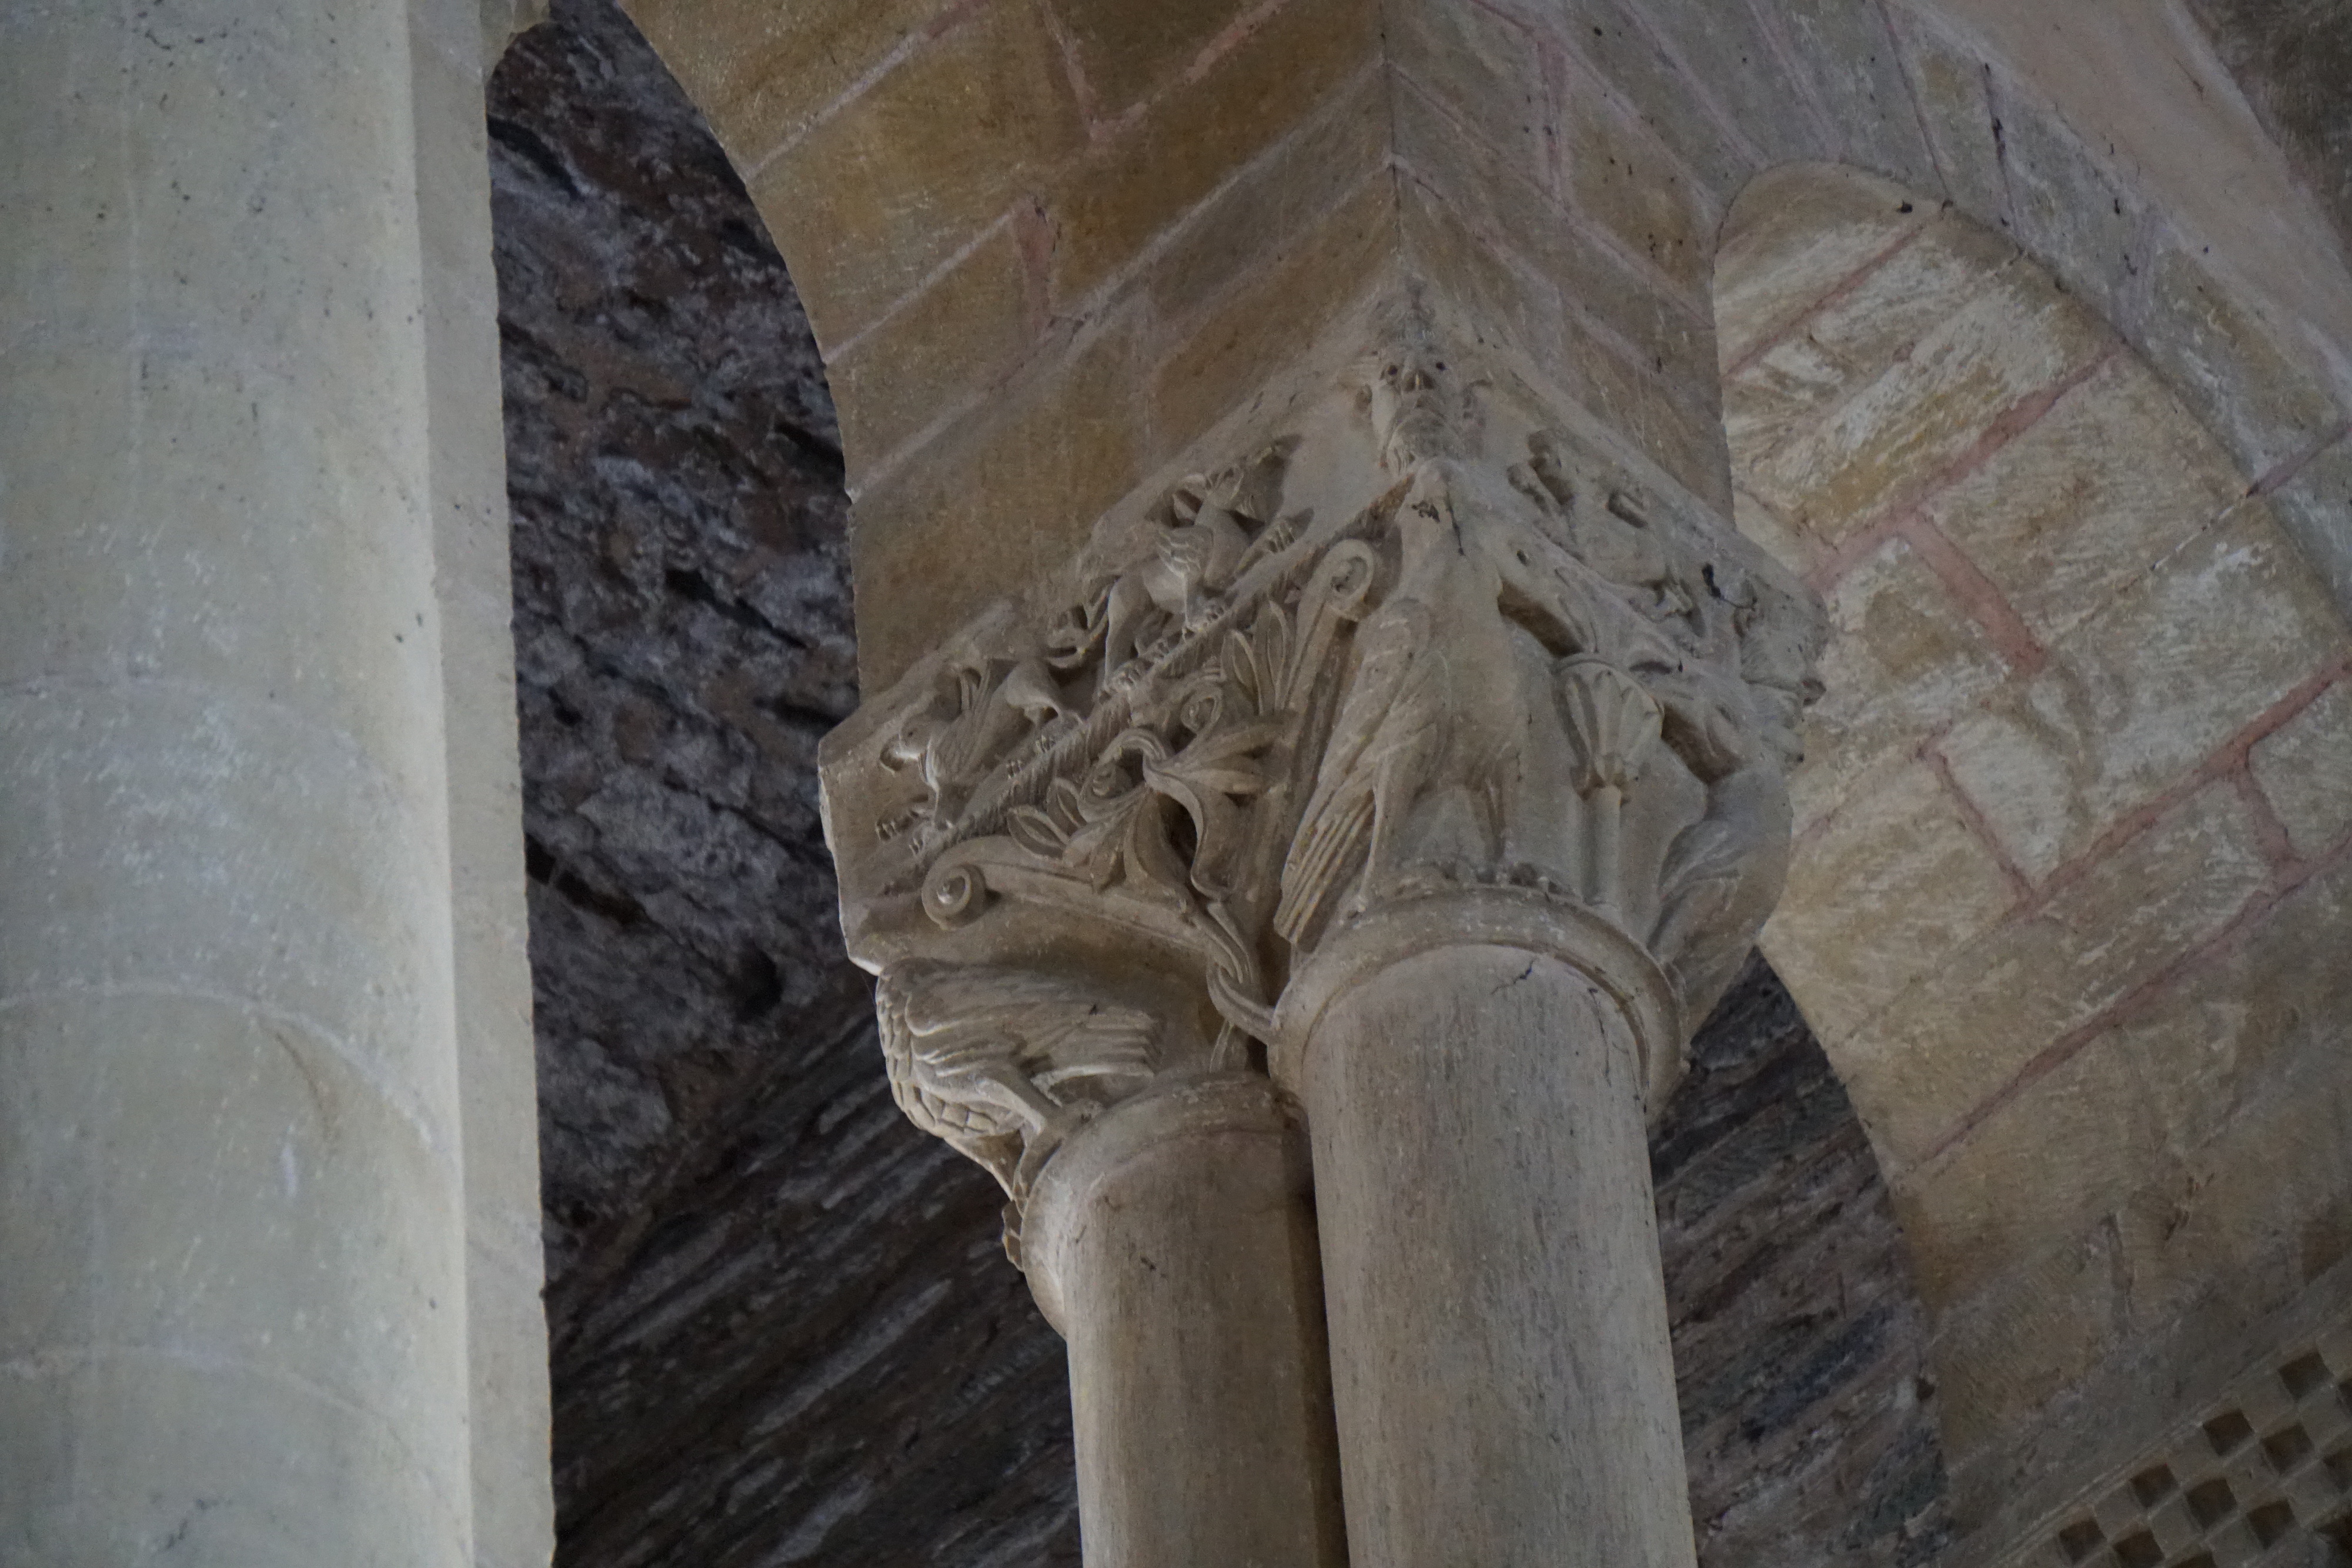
{"x": 1299, "y": 917}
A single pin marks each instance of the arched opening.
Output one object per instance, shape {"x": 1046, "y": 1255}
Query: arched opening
{"x": 2068, "y": 874}
{"x": 781, "y": 1320}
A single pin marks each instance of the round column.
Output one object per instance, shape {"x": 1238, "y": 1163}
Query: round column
{"x": 1502, "y": 1377}
{"x": 231, "y": 1227}
{"x": 1171, "y": 1240}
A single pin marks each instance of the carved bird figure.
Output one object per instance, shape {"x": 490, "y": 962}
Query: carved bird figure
{"x": 1390, "y": 730}
{"x": 979, "y": 1055}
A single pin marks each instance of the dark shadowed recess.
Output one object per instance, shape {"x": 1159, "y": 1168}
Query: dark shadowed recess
{"x": 783, "y": 1329}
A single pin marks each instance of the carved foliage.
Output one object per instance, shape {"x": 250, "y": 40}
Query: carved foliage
{"x": 1506, "y": 671}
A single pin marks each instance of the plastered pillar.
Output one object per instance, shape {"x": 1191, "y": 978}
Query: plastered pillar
{"x": 1171, "y": 1241}
{"x": 233, "y": 1217}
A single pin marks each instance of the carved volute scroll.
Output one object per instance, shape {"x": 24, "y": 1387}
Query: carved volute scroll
{"x": 1471, "y": 657}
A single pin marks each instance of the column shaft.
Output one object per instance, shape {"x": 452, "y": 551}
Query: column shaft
{"x": 1503, "y": 1386}
{"x": 233, "y": 1284}
{"x": 1172, "y": 1241}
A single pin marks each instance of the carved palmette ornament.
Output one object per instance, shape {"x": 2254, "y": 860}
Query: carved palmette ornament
{"x": 1515, "y": 671}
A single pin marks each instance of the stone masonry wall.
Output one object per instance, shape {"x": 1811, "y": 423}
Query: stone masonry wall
{"x": 783, "y": 1330}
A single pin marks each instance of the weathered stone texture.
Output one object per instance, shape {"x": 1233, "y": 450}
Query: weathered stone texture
{"x": 2219, "y": 631}
{"x": 784, "y": 1328}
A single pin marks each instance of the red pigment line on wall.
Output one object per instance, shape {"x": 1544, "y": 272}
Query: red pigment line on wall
{"x": 2005, "y": 427}
{"x": 1098, "y": 131}
{"x": 1844, "y": 288}
{"x": 1974, "y": 819}
{"x": 2284, "y": 475}
{"x": 1977, "y": 593}
{"x": 2230, "y": 756}
{"x": 2139, "y": 1001}
{"x": 2277, "y": 845}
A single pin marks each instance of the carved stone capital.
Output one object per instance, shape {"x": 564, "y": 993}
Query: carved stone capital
{"x": 1426, "y": 662}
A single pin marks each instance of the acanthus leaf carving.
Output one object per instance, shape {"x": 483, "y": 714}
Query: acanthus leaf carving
{"x": 1520, "y": 670}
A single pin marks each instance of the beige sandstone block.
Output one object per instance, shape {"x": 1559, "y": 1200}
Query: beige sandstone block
{"x": 2144, "y": 1115}
{"x": 2304, "y": 767}
{"x": 1191, "y": 140}
{"x": 1273, "y": 319}
{"x": 996, "y": 506}
{"x": 1845, "y": 47}
{"x": 1731, "y": 50}
{"x": 894, "y": 185}
{"x": 2069, "y": 213}
{"x": 1125, "y": 52}
{"x": 1796, "y": 233}
{"x": 2145, "y": 690}
{"x": 2105, "y": 484}
{"x": 1235, "y": 234}
{"x": 1900, "y": 374}
{"x": 1486, "y": 72}
{"x": 1608, "y": 49}
{"x": 2262, "y": 402}
{"x": 1904, "y": 659}
{"x": 1950, "y": 85}
{"x": 1957, "y": 1036}
{"x": 764, "y": 72}
{"x": 946, "y": 345}
{"x": 2315, "y": 509}
{"x": 1889, "y": 889}
{"x": 1756, "y": 521}
{"x": 1493, "y": 285}
{"x": 1515, "y": 221}
{"x": 1678, "y": 428}
{"x": 1616, "y": 176}
{"x": 2003, "y": 1355}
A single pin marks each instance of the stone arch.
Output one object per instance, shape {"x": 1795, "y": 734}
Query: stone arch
{"x": 2067, "y": 871}
{"x": 1046, "y": 243}
{"x": 1051, "y": 248}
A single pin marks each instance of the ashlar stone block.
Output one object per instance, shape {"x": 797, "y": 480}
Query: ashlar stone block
{"x": 2142, "y": 1115}
{"x": 1233, "y": 234}
{"x": 1264, "y": 325}
{"x": 1952, "y": 88}
{"x": 991, "y": 510}
{"x": 2108, "y": 482}
{"x": 938, "y": 352}
{"x": 2263, "y": 404}
{"x": 1904, "y": 661}
{"x": 2314, "y": 507}
{"x": 1616, "y": 176}
{"x": 1900, "y": 373}
{"x": 1957, "y": 1036}
{"x": 1887, "y": 891}
{"x": 764, "y": 73}
{"x": 2146, "y": 690}
{"x": 1847, "y": 49}
{"x": 1126, "y": 52}
{"x": 2305, "y": 769}
{"x": 1192, "y": 139}
{"x": 906, "y": 174}
{"x": 1796, "y": 233}
{"x": 1488, "y": 71}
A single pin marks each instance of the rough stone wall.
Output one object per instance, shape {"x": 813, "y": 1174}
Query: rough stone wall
{"x": 782, "y": 1331}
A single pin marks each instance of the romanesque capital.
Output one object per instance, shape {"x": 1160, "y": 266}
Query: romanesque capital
{"x": 1428, "y": 667}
